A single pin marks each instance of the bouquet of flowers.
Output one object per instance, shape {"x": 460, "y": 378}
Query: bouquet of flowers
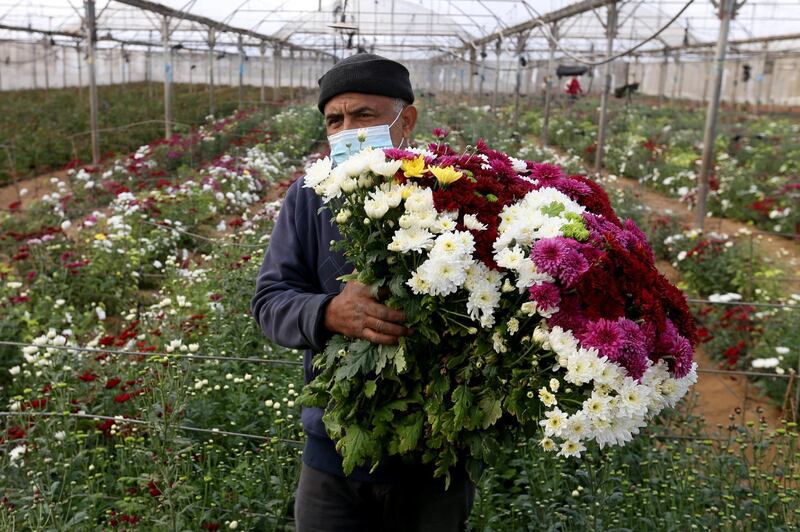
{"x": 535, "y": 311}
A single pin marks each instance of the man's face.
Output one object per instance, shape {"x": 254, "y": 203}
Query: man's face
{"x": 354, "y": 110}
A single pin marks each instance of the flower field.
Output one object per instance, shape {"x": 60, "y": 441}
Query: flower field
{"x": 137, "y": 392}
{"x": 756, "y": 175}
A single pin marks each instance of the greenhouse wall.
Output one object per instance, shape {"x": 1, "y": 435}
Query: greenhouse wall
{"x": 27, "y": 66}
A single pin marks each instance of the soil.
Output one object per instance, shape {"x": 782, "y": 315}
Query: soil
{"x": 721, "y": 396}
{"x": 36, "y": 188}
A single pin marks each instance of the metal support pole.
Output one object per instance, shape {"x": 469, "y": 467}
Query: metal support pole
{"x": 497, "y": 50}
{"x": 521, "y": 39}
{"x": 291, "y": 74}
{"x": 91, "y": 39}
{"x": 276, "y": 73}
{"x": 762, "y": 77}
{"x": 46, "y": 63}
{"x": 240, "y": 45}
{"x": 167, "y": 78}
{"x": 212, "y": 41}
{"x": 80, "y": 70}
{"x": 548, "y": 90}
{"x": 482, "y": 74}
{"x": 63, "y": 67}
{"x": 726, "y": 13}
{"x": 662, "y": 79}
{"x": 472, "y": 59}
{"x": 611, "y": 31}
{"x": 263, "y": 49}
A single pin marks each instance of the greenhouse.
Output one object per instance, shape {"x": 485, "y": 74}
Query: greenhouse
{"x": 399, "y": 265}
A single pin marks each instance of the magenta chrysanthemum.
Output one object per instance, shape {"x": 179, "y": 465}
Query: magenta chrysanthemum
{"x": 546, "y": 295}
{"x": 548, "y": 254}
{"x": 606, "y": 336}
{"x": 545, "y": 171}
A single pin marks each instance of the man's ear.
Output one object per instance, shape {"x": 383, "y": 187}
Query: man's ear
{"x": 408, "y": 120}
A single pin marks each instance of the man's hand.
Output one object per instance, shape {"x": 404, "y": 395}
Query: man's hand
{"x": 357, "y": 314}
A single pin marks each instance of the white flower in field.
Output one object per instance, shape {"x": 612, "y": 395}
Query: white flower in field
{"x": 765, "y": 363}
{"x": 529, "y": 308}
{"x": 268, "y": 403}
{"x": 571, "y": 448}
{"x": 724, "y": 298}
{"x": 65, "y": 225}
{"x": 233, "y": 525}
{"x": 14, "y": 370}
{"x": 101, "y": 313}
{"x": 554, "y": 385}
{"x": 60, "y": 435}
{"x": 59, "y": 340}
{"x": 14, "y": 285}
{"x": 23, "y": 191}
{"x": 782, "y": 350}
{"x": 597, "y": 406}
{"x": 317, "y": 172}
{"x": 471, "y": 222}
{"x": 16, "y": 454}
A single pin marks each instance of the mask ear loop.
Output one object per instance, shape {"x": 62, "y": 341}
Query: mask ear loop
{"x": 393, "y": 122}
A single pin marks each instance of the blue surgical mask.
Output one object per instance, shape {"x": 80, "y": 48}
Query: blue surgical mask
{"x": 346, "y": 143}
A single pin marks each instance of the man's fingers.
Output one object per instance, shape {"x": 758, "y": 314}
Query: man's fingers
{"x": 384, "y": 313}
{"x": 385, "y": 327}
{"x": 378, "y": 338}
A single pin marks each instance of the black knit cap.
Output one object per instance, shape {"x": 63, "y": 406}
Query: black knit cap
{"x": 366, "y": 73}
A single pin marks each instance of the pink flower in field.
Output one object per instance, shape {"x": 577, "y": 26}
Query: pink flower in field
{"x": 440, "y": 133}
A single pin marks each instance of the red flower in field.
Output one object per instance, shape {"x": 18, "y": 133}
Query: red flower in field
{"x": 123, "y": 397}
{"x": 15, "y": 433}
{"x": 154, "y": 491}
{"x": 211, "y": 525}
{"x": 105, "y": 426}
{"x": 105, "y": 341}
{"x": 16, "y": 300}
{"x": 87, "y": 376}
{"x": 37, "y": 403}
{"x": 14, "y": 206}
{"x": 236, "y": 222}
{"x": 111, "y": 383}
{"x": 22, "y": 255}
{"x": 215, "y": 297}
{"x": 30, "y": 276}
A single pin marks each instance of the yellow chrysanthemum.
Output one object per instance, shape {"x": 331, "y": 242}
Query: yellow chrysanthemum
{"x": 414, "y": 167}
{"x": 99, "y": 236}
{"x": 445, "y": 176}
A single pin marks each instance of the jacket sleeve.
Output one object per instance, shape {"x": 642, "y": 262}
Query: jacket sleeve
{"x": 289, "y": 303}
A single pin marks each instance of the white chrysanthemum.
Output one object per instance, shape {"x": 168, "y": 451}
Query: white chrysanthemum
{"x": 379, "y": 165}
{"x": 562, "y": 341}
{"x": 411, "y": 239}
{"x": 571, "y": 448}
{"x": 633, "y": 398}
{"x": 554, "y": 422}
{"x": 578, "y": 427}
{"x": 471, "y": 222}
{"x": 420, "y": 200}
{"x": 597, "y": 407}
{"x": 510, "y": 258}
{"x": 457, "y": 245}
{"x": 376, "y": 208}
{"x": 547, "y": 398}
{"x": 442, "y": 275}
{"x": 518, "y": 165}
{"x": 418, "y": 285}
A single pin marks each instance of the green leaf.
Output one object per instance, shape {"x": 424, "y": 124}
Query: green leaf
{"x": 369, "y": 388}
{"x": 355, "y": 447}
{"x": 400, "y": 360}
{"x": 409, "y": 432}
{"x": 462, "y": 402}
{"x": 491, "y": 409}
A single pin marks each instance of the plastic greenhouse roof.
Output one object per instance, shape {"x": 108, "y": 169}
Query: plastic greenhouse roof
{"x": 408, "y": 29}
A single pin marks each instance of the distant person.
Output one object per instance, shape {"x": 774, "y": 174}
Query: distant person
{"x": 573, "y": 89}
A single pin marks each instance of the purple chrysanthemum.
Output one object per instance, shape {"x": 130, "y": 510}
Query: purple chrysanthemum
{"x": 548, "y": 254}
{"x": 546, "y": 295}
{"x": 546, "y": 171}
{"x": 606, "y": 336}
{"x": 683, "y": 358}
{"x": 635, "y": 364}
{"x": 572, "y": 267}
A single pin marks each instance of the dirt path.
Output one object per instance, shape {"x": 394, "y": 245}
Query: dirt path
{"x": 786, "y": 248}
{"x": 35, "y": 188}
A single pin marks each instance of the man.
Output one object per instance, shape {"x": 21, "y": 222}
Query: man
{"x": 300, "y": 303}
{"x": 573, "y": 89}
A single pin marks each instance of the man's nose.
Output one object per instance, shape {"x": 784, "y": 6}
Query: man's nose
{"x": 348, "y": 122}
